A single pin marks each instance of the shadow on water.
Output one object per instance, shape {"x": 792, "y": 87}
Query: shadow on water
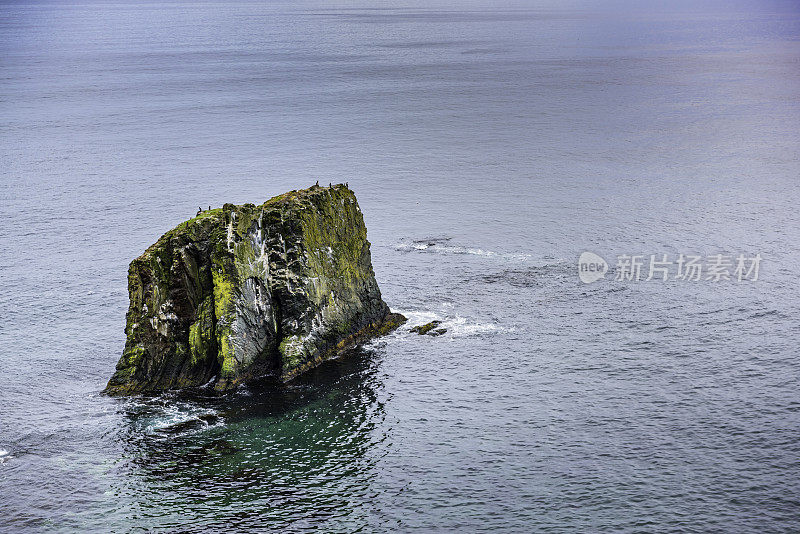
{"x": 289, "y": 454}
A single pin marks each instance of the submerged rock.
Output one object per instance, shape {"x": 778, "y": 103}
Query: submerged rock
{"x": 201, "y": 421}
{"x": 249, "y": 291}
{"x": 430, "y": 329}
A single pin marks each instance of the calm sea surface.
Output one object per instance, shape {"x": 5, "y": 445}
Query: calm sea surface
{"x": 489, "y": 146}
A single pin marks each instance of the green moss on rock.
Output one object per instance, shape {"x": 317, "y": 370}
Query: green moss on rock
{"x": 430, "y": 329}
{"x": 202, "y": 341}
{"x": 245, "y": 291}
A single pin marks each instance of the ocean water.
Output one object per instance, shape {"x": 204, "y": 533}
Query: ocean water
{"x": 489, "y": 145}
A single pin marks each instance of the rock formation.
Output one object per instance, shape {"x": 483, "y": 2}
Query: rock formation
{"x": 249, "y": 291}
{"x": 430, "y": 329}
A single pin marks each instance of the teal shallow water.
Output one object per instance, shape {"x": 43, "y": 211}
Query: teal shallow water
{"x": 488, "y": 148}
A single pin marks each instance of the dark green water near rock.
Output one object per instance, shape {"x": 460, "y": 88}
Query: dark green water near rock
{"x": 488, "y": 146}
{"x": 317, "y": 442}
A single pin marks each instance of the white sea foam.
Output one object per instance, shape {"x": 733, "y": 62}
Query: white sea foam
{"x": 419, "y": 317}
{"x": 179, "y": 417}
{"x": 464, "y": 327}
{"x": 4, "y": 455}
{"x": 165, "y": 416}
{"x": 444, "y": 248}
{"x": 456, "y": 326}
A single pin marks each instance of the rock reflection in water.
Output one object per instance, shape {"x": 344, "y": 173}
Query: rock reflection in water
{"x": 283, "y": 449}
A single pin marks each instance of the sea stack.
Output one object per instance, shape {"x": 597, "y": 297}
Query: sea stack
{"x": 244, "y": 292}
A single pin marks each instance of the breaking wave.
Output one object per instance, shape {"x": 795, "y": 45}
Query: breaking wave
{"x": 442, "y": 245}
{"x": 456, "y": 325}
{"x": 162, "y": 416}
{"x": 463, "y": 327}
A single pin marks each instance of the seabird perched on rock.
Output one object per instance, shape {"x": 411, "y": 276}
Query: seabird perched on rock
{"x": 317, "y": 184}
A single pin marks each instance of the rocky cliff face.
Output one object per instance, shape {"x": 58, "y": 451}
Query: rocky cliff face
{"x": 247, "y": 291}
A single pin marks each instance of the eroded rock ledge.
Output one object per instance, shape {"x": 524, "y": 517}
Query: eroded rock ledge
{"x": 243, "y": 292}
